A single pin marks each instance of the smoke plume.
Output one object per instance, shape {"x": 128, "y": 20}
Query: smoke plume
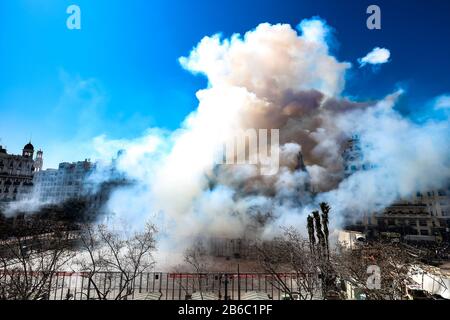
{"x": 274, "y": 77}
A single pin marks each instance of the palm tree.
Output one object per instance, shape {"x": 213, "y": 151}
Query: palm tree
{"x": 325, "y": 208}
{"x": 319, "y": 233}
{"x": 312, "y": 238}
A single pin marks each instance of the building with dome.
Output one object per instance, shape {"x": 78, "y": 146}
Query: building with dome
{"x": 16, "y": 173}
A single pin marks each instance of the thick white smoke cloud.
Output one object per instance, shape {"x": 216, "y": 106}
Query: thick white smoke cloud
{"x": 273, "y": 77}
{"x": 407, "y": 158}
{"x": 270, "y": 60}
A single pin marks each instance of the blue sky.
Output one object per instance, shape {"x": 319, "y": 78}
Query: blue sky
{"x": 120, "y": 74}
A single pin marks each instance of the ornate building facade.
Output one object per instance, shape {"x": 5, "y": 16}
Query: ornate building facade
{"x": 16, "y": 173}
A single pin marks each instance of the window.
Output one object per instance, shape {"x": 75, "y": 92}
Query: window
{"x": 423, "y": 222}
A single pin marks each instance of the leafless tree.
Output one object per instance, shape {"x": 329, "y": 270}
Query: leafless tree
{"x": 110, "y": 254}
{"x": 392, "y": 259}
{"x": 309, "y": 260}
{"x": 197, "y": 266}
{"x": 289, "y": 257}
{"x": 31, "y": 258}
